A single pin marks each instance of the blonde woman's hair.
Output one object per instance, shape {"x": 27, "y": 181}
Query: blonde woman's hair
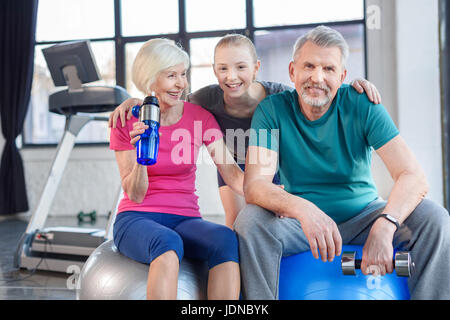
{"x": 236, "y": 39}
{"x": 153, "y": 57}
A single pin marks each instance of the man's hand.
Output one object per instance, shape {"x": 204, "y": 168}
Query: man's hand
{"x": 121, "y": 111}
{"x": 322, "y": 234}
{"x": 378, "y": 252}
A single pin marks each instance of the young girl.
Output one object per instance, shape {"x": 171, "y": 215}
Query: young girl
{"x": 159, "y": 220}
{"x": 233, "y": 102}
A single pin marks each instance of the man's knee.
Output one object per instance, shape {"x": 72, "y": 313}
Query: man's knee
{"x": 251, "y": 219}
{"x": 433, "y": 213}
{"x": 432, "y": 217}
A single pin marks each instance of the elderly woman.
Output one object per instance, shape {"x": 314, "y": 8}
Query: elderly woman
{"x": 158, "y": 219}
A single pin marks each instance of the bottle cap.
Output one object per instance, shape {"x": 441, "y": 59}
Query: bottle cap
{"x": 151, "y": 100}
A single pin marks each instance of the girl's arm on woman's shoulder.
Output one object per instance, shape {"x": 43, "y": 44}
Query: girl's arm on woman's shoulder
{"x": 123, "y": 111}
{"x": 205, "y": 97}
{"x": 363, "y": 85}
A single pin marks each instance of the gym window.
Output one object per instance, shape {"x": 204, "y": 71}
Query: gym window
{"x": 117, "y": 29}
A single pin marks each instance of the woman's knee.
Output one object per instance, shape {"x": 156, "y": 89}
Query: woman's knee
{"x": 167, "y": 260}
{"x": 164, "y": 242}
{"x": 224, "y": 247}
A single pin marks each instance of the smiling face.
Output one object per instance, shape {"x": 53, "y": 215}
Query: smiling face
{"x": 317, "y": 73}
{"x": 170, "y": 85}
{"x": 235, "y": 69}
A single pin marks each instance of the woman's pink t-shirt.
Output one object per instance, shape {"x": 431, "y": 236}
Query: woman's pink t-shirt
{"x": 172, "y": 179}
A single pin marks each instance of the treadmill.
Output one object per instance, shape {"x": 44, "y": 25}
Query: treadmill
{"x": 61, "y": 248}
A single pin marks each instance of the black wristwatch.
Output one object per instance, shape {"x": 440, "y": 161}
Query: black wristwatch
{"x": 390, "y": 219}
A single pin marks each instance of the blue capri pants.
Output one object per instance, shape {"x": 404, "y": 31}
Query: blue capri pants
{"x": 144, "y": 236}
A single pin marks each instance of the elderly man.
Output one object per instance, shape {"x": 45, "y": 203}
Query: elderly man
{"x": 321, "y": 136}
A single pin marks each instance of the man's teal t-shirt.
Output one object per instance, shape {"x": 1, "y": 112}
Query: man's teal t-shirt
{"x": 327, "y": 161}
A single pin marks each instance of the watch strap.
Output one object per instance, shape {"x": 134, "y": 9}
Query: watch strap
{"x": 390, "y": 219}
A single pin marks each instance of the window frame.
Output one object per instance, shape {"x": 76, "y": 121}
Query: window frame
{"x": 183, "y": 38}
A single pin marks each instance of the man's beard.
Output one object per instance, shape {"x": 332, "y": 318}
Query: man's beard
{"x": 315, "y": 101}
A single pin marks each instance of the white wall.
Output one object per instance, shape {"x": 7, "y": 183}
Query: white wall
{"x": 403, "y": 56}
{"x": 418, "y": 82}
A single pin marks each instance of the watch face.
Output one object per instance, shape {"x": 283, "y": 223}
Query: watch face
{"x": 391, "y": 218}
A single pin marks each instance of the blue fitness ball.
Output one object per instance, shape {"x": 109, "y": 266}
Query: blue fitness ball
{"x": 302, "y": 277}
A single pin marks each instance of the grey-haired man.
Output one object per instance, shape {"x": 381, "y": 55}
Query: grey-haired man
{"x": 326, "y": 135}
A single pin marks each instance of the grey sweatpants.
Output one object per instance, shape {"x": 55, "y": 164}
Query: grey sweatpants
{"x": 264, "y": 239}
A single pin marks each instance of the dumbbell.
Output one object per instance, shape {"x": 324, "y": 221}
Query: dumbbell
{"x": 92, "y": 216}
{"x": 403, "y": 264}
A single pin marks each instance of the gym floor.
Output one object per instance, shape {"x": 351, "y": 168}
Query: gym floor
{"x": 38, "y": 285}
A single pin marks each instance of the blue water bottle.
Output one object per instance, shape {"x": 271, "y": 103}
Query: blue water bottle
{"x": 148, "y": 145}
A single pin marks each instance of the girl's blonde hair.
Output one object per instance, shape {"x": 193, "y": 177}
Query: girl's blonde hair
{"x": 153, "y": 57}
{"x": 236, "y": 39}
